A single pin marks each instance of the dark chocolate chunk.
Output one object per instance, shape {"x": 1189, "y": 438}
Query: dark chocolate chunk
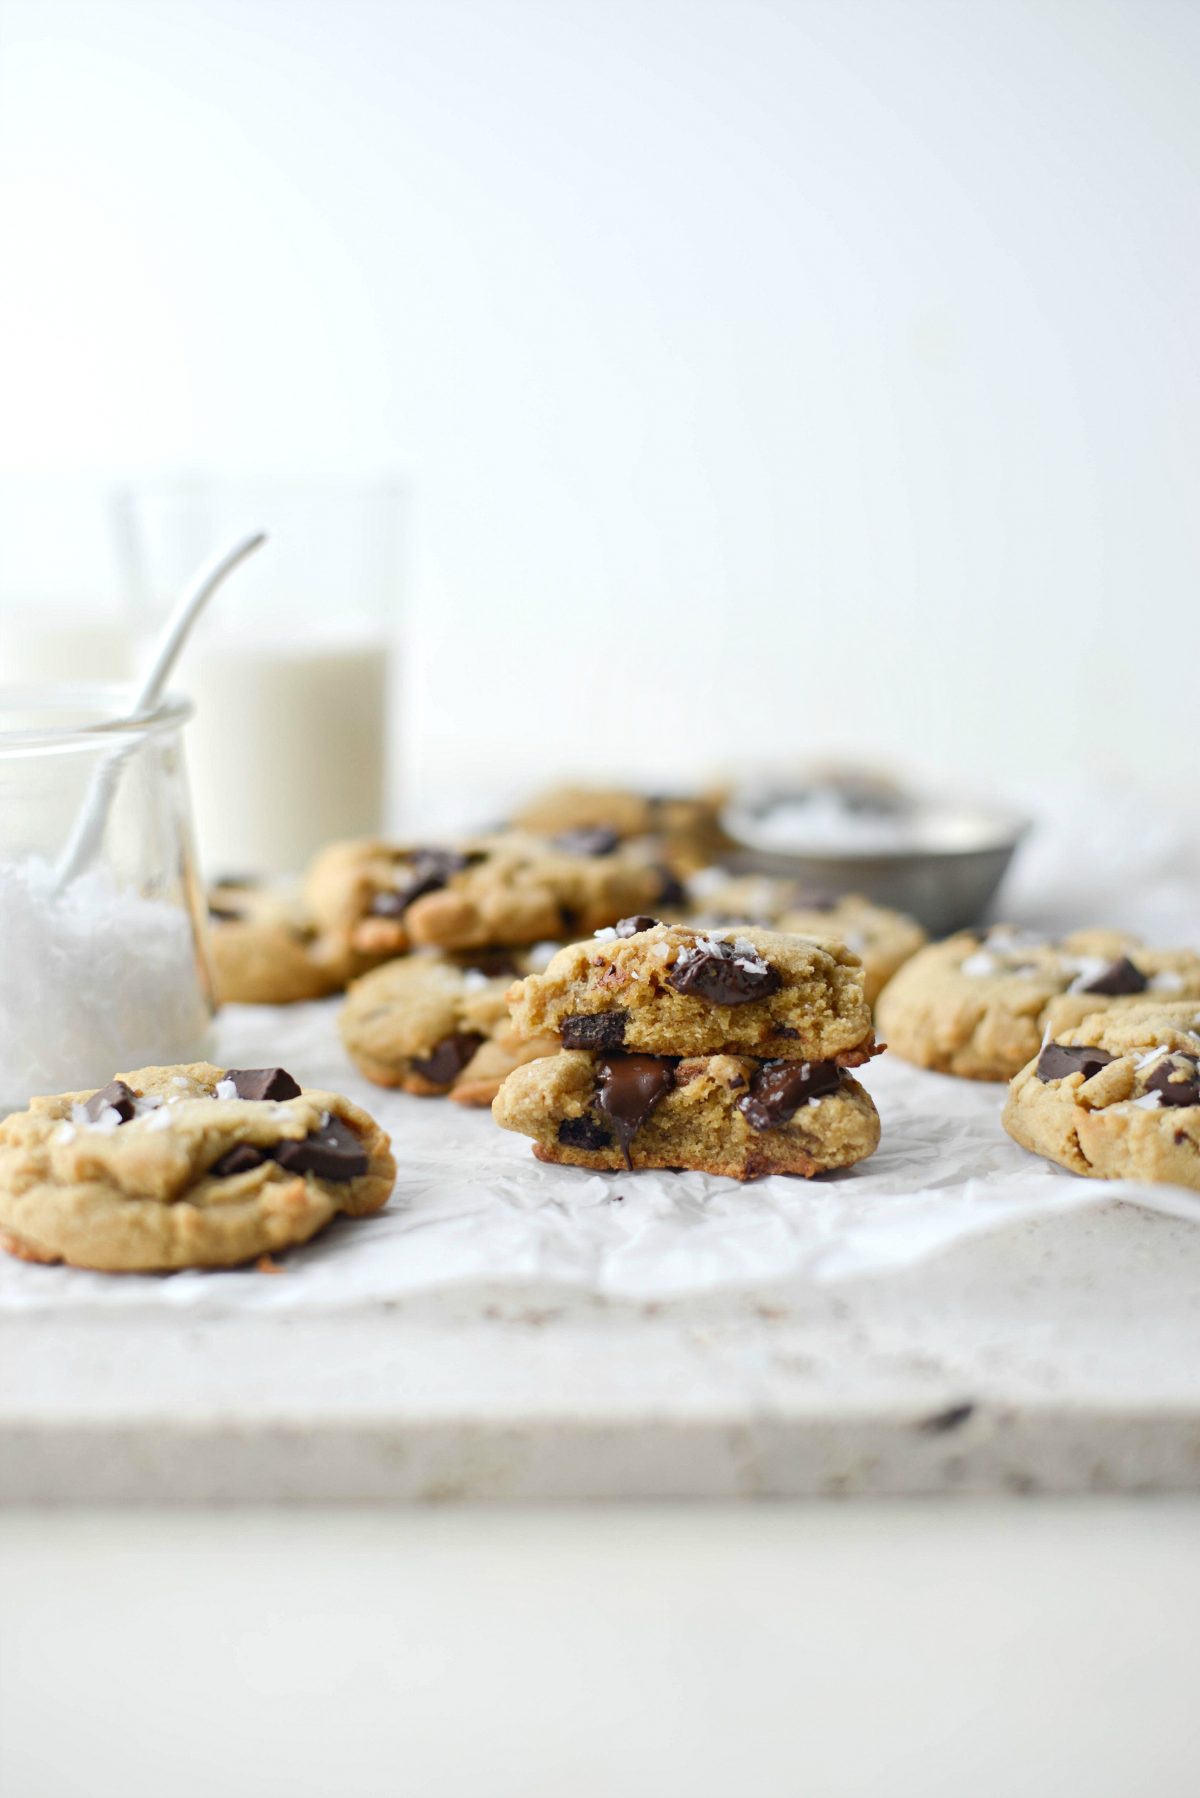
{"x": 427, "y": 870}
{"x": 333, "y": 1152}
{"x": 116, "y": 1094}
{"x": 779, "y": 1088}
{"x": 263, "y": 1083}
{"x": 1117, "y": 979}
{"x": 672, "y": 891}
{"x": 584, "y": 1133}
{"x": 813, "y": 898}
{"x": 631, "y": 926}
{"x": 595, "y": 839}
{"x": 1176, "y": 1079}
{"x": 494, "y": 963}
{"x": 448, "y": 1058}
{"x": 238, "y": 1160}
{"x": 722, "y": 974}
{"x": 1057, "y": 1060}
{"x": 628, "y": 1087}
{"x": 595, "y": 1030}
{"x": 224, "y": 914}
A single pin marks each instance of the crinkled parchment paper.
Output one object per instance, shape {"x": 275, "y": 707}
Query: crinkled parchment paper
{"x": 474, "y": 1213}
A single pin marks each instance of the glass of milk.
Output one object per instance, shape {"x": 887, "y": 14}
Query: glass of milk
{"x": 106, "y": 971}
{"x": 292, "y": 671}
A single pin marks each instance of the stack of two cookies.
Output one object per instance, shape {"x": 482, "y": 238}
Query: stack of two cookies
{"x": 726, "y": 1052}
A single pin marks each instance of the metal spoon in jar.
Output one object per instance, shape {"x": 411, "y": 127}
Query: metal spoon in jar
{"x": 88, "y": 831}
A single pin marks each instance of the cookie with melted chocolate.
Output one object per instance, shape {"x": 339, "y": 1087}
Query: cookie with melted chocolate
{"x": 720, "y": 1114}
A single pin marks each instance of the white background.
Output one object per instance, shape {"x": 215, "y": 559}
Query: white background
{"x": 769, "y": 377}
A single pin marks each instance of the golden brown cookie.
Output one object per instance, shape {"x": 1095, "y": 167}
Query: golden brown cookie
{"x": 882, "y": 939}
{"x": 379, "y": 900}
{"x": 666, "y": 989}
{"x": 266, "y": 951}
{"x": 721, "y": 1114}
{"x": 189, "y": 1166}
{"x": 432, "y": 1023}
{"x": 977, "y": 1005}
{"x": 684, "y": 831}
{"x": 1116, "y": 1096}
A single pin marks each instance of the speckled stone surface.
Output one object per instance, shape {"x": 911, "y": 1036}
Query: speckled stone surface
{"x": 1061, "y": 1356}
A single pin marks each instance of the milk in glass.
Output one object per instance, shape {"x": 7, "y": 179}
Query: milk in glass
{"x": 288, "y": 746}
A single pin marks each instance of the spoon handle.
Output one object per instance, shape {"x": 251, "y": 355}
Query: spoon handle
{"x": 186, "y": 609}
{"x": 88, "y": 829}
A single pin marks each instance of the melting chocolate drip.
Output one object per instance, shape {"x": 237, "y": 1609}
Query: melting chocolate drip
{"x": 779, "y": 1088}
{"x": 428, "y": 871}
{"x": 118, "y": 1096}
{"x": 595, "y": 839}
{"x": 1117, "y": 979}
{"x": 1057, "y": 1060}
{"x": 1176, "y": 1079}
{"x": 263, "y": 1083}
{"x": 723, "y": 974}
{"x": 631, "y": 926}
{"x": 598, "y": 1030}
{"x": 584, "y": 1133}
{"x": 448, "y": 1058}
{"x": 628, "y": 1087}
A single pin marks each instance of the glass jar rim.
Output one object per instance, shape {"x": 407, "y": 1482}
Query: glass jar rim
{"x": 113, "y": 723}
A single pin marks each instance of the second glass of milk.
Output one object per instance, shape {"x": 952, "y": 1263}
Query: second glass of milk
{"x": 293, "y": 670}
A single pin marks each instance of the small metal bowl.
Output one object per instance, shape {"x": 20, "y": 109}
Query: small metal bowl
{"x": 943, "y": 865}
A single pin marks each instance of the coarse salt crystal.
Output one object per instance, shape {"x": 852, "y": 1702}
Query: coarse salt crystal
{"x": 1090, "y": 967}
{"x": 1150, "y": 1057}
{"x": 92, "y": 977}
{"x": 979, "y": 963}
{"x": 475, "y": 980}
{"x": 225, "y": 1089}
{"x": 607, "y": 935}
{"x": 1147, "y": 1102}
{"x": 1168, "y": 981}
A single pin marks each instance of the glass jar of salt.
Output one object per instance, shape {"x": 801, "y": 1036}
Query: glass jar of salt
{"x": 102, "y": 962}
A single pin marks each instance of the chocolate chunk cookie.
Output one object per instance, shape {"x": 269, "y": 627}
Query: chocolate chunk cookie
{"x": 683, "y": 831}
{"x": 671, "y": 990}
{"x": 432, "y": 1023}
{"x": 266, "y": 950}
{"x": 882, "y": 939}
{"x": 378, "y": 900}
{"x": 1117, "y": 1096}
{"x": 979, "y": 1005}
{"x": 186, "y": 1166}
{"x": 721, "y": 1114}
